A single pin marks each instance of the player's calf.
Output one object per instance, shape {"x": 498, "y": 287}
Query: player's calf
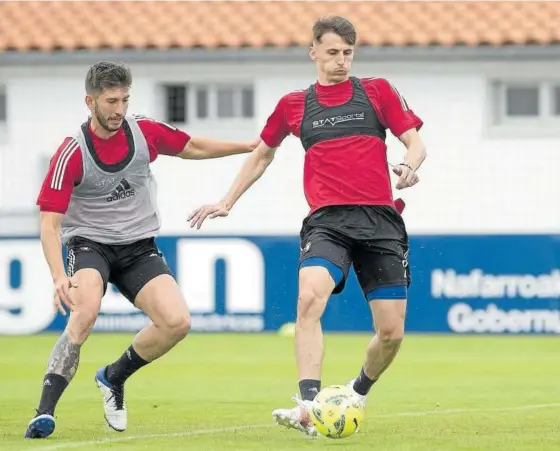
{"x": 61, "y": 368}
{"x": 161, "y": 300}
{"x": 65, "y": 355}
{"x": 315, "y": 286}
{"x": 309, "y": 342}
{"x": 389, "y": 317}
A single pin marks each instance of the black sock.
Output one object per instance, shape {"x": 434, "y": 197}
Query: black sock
{"x": 118, "y": 372}
{"x": 309, "y": 389}
{"x": 53, "y": 387}
{"x": 362, "y": 384}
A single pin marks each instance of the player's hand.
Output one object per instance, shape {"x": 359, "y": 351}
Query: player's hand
{"x": 407, "y": 177}
{"x": 198, "y": 216}
{"x": 62, "y": 286}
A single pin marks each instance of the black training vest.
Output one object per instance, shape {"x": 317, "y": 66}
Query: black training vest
{"x": 112, "y": 168}
{"x": 355, "y": 117}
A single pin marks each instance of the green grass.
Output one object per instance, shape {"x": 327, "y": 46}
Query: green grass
{"x": 446, "y": 393}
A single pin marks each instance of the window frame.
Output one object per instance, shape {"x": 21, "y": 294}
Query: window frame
{"x": 504, "y": 100}
{"x": 545, "y": 124}
{"x": 4, "y": 121}
{"x": 211, "y": 90}
{"x": 167, "y": 109}
{"x": 4, "y": 100}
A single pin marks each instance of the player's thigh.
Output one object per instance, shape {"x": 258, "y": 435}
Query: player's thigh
{"x": 324, "y": 261}
{"x": 89, "y": 270}
{"x": 381, "y": 263}
{"x": 384, "y": 276}
{"x": 162, "y": 300}
{"x": 382, "y": 269}
{"x": 149, "y": 284}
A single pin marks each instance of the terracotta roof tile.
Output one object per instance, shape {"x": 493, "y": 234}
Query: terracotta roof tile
{"x": 51, "y": 25}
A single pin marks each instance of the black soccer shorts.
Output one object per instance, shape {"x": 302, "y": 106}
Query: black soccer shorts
{"x": 371, "y": 238}
{"x": 129, "y": 266}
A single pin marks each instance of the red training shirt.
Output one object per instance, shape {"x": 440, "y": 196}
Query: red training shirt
{"x": 350, "y": 170}
{"x": 66, "y": 167}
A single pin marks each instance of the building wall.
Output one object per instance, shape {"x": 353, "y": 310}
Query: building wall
{"x": 477, "y": 179}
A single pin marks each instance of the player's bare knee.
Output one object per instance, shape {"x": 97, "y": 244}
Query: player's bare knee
{"x": 80, "y": 325}
{"x": 391, "y": 331}
{"x": 77, "y": 335}
{"x": 183, "y": 326}
{"x": 82, "y": 319}
{"x": 389, "y": 316}
{"x": 178, "y": 326}
{"x": 311, "y": 304}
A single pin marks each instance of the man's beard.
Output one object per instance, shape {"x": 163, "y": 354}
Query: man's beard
{"x": 104, "y": 122}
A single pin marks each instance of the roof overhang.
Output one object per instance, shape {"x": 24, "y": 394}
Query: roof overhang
{"x": 293, "y": 54}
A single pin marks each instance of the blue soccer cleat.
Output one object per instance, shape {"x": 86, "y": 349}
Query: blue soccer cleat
{"x": 40, "y": 427}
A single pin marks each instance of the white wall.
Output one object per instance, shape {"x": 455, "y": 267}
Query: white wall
{"x": 471, "y": 183}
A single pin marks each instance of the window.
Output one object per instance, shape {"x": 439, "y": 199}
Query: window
{"x": 247, "y": 103}
{"x": 528, "y": 102}
{"x": 226, "y": 102}
{"x": 3, "y": 105}
{"x": 177, "y": 104}
{"x": 556, "y": 101}
{"x": 3, "y": 114}
{"x": 209, "y": 102}
{"x": 201, "y": 103}
{"x": 522, "y": 101}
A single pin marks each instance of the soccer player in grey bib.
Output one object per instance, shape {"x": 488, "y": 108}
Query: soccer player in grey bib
{"x": 99, "y": 199}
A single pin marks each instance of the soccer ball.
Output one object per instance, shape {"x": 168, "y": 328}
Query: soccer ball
{"x": 336, "y": 412}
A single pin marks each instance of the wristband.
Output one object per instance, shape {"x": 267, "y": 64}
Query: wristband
{"x": 407, "y": 165}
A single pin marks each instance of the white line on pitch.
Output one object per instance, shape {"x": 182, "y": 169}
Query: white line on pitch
{"x": 418, "y": 413}
{"x": 150, "y": 436}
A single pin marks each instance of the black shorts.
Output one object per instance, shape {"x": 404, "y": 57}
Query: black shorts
{"x": 128, "y": 266}
{"x": 371, "y": 238}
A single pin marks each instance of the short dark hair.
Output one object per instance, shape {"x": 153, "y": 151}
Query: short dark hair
{"x": 106, "y": 75}
{"x": 337, "y": 25}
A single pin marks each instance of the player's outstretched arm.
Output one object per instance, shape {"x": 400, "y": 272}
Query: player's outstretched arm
{"x": 52, "y": 248}
{"x": 274, "y": 132}
{"x": 251, "y": 171}
{"x": 415, "y": 156}
{"x": 198, "y": 148}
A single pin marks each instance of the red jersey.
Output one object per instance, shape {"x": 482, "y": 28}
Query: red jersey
{"x": 66, "y": 167}
{"x": 349, "y": 170}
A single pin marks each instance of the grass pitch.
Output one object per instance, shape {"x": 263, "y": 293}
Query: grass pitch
{"x": 216, "y": 392}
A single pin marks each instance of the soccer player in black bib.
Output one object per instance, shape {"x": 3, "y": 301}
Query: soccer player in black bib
{"x": 342, "y": 122}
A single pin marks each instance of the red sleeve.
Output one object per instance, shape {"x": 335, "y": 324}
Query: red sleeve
{"x": 276, "y": 128}
{"x": 65, "y": 171}
{"x": 395, "y": 112}
{"x": 162, "y": 138}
